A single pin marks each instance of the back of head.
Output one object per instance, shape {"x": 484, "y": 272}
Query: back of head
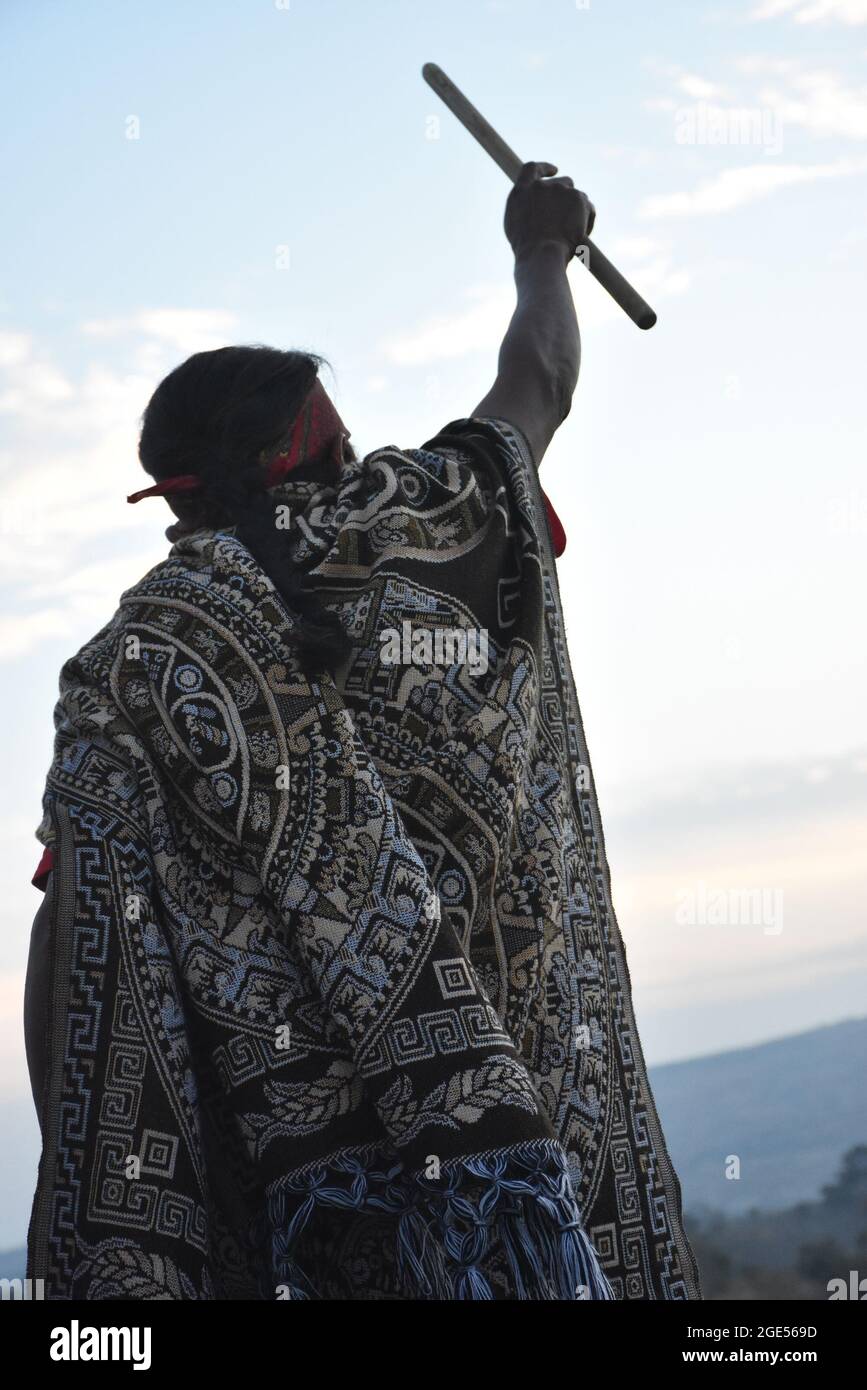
{"x": 222, "y": 415}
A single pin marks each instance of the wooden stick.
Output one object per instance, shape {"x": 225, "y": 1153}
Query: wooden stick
{"x": 588, "y": 253}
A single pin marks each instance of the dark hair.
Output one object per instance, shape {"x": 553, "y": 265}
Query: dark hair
{"x": 214, "y": 415}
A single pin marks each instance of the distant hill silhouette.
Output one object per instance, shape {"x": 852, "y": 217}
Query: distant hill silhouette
{"x": 13, "y": 1263}
{"x": 811, "y": 1251}
{"x": 787, "y": 1109}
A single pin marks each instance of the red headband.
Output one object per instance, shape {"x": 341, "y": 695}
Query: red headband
{"x": 317, "y": 434}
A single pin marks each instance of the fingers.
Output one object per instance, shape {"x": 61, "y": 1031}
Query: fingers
{"x": 587, "y": 209}
{"x": 580, "y": 200}
{"x": 543, "y": 205}
{"x": 539, "y": 169}
{"x": 534, "y": 170}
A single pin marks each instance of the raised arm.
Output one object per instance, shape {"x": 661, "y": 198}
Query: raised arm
{"x": 537, "y": 372}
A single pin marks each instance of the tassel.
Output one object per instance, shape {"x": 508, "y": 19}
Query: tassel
{"x": 516, "y": 1201}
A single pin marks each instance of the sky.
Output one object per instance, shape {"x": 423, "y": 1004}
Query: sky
{"x": 184, "y": 174}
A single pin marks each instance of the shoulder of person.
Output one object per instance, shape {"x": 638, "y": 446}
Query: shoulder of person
{"x": 466, "y": 450}
{"x": 484, "y": 441}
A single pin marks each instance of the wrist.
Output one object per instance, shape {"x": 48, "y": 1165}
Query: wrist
{"x": 551, "y": 251}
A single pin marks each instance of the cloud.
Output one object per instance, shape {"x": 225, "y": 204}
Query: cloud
{"x": 733, "y": 188}
{"x": 70, "y": 545}
{"x": 28, "y": 383}
{"x": 752, "y": 63}
{"x": 687, "y": 84}
{"x": 699, "y": 88}
{"x": 477, "y": 328}
{"x": 792, "y": 829}
{"x": 739, "y": 799}
{"x": 820, "y": 102}
{"x": 33, "y": 385}
{"x": 180, "y": 332}
{"x": 23, "y": 632}
{"x": 480, "y": 326}
{"x": 656, "y": 278}
{"x": 14, "y": 348}
{"x": 851, "y": 12}
{"x": 773, "y": 94}
{"x": 185, "y": 330}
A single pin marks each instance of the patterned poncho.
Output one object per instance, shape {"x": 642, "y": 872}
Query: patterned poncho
{"x": 339, "y": 1005}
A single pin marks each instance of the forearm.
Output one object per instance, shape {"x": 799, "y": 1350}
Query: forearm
{"x": 543, "y": 340}
{"x": 537, "y": 371}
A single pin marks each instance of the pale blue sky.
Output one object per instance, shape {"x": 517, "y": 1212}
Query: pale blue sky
{"x": 711, "y": 475}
